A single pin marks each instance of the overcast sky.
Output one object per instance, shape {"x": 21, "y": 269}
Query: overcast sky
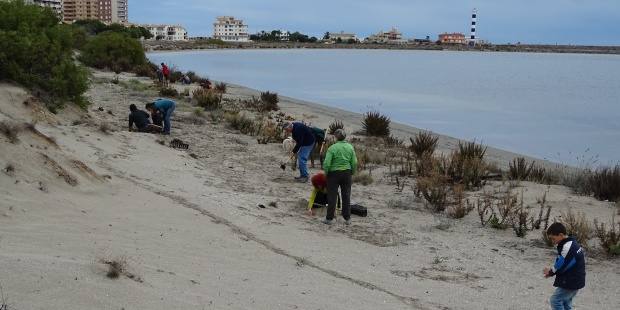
{"x": 499, "y": 21}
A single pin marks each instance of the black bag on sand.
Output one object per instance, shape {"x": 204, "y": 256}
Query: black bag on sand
{"x": 359, "y": 210}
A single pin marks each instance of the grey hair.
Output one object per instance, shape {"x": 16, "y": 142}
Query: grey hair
{"x": 340, "y": 134}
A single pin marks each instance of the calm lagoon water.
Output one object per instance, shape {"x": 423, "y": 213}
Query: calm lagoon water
{"x": 561, "y": 107}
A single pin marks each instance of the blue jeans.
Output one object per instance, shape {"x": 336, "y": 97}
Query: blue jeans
{"x": 302, "y": 158}
{"x": 167, "y": 114}
{"x": 562, "y": 299}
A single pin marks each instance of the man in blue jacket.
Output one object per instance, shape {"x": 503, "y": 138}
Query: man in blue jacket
{"x": 569, "y": 268}
{"x": 166, "y": 107}
{"x": 304, "y": 142}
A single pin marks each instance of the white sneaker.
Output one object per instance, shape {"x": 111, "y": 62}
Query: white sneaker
{"x": 328, "y": 222}
{"x": 347, "y": 222}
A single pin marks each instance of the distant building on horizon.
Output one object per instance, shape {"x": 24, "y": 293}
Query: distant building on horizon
{"x": 391, "y": 37}
{"x": 342, "y": 37}
{"x": 55, "y": 5}
{"x": 106, "y": 11}
{"x": 229, "y": 29}
{"x": 167, "y": 32}
{"x": 452, "y": 38}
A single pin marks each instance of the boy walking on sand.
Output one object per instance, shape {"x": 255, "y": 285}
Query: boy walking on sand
{"x": 569, "y": 268}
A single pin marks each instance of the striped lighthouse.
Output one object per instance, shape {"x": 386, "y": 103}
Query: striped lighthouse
{"x": 472, "y": 36}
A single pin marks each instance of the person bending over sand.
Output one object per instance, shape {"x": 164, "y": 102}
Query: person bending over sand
{"x": 166, "y": 107}
{"x": 304, "y": 142}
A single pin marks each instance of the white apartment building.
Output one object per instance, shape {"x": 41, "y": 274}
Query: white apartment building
{"x": 55, "y": 5}
{"x": 227, "y": 28}
{"x": 167, "y": 32}
{"x": 120, "y": 11}
{"x": 344, "y": 37}
{"x": 284, "y": 35}
{"x": 390, "y": 37}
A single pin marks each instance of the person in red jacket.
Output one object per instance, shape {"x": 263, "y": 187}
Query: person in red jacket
{"x": 166, "y": 71}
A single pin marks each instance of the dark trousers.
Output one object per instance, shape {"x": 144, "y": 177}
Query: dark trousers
{"x": 342, "y": 180}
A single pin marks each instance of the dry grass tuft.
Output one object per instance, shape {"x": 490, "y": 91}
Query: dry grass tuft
{"x": 105, "y": 128}
{"x": 10, "y": 131}
{"x": 363, "y": 178}
{"x": 609, "y": 239}
{"x": 605, "y": 183}
{"x": 577, "y": 226}
{"x": 434, "y": 190}
{"x": 376, "y": 124}
{"x": 9, "y": 169}
{"x": 207, "y": 99}
{"x": 335, "y": 125}
{"x": 221, "y": 87}
{"x": 423, "y": 144}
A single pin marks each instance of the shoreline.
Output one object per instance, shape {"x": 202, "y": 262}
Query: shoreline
{"x": 151, "y": 46}
{"x": 322, "y": 115}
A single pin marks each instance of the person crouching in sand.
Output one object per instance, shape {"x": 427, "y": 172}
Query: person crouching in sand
{"x": 141, "y": 120}
{"x": 339, "y": 165}
{"x": 569, "y": 268}
{"x": 318, "y": 197}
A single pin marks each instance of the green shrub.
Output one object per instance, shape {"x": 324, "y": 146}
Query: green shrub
{"x": 193, "y": 77}
{"x": 424, "y": 143}
{"x": 207, "y": 99}
{"x": 240, "y": 122}
{"x": 376, "y": 124}
{"x": 114, "y": 51}
{"x": 146, "y": 70}
{"x": 170, "y": 92}
{"x": 36, "y": 52}
{"x": 175, "y": 74}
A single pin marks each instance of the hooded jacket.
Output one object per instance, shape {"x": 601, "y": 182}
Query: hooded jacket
{"x": 570, "y": 266}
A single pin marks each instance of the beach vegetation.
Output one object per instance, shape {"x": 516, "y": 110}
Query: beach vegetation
{"x": 434, "y": 189}
{"x": 148, "y": 69}
{"x": 609, "y": 237}
{"x": 10, "y": 131}
{"x": 113, "y": 51}
{"x": 269, "y": 101}
{"x": 193, "y": 77}
{"x": 169, "y": 92}
{"x": 207, "y": 99}
{"x": 37, "y": 52}
{"x": 604, "y": 183}
{"x": 519, "y": 169}
{"x": 335, "y": 125}
{"x": 240, "y": 122}
{"x": 376, "y": 124}
{"x": 268, "y": 132}
{"x": 94, "y": 27}
{"x": 423, "y": 144}
{"x": 221, "y": 87}
{"x": 460, "y": 206}
{"x": 577, "y": 226}
{"x": 392, "y": 141}
{"x": 364, "y": 178}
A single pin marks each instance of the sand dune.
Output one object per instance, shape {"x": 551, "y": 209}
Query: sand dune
{"x": 187, "y": 228}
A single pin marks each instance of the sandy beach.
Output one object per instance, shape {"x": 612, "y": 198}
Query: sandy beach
{"x": 188, "y": 229}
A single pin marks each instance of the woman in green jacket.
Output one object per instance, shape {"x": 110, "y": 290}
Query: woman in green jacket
{"x": 339, "y": 165}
